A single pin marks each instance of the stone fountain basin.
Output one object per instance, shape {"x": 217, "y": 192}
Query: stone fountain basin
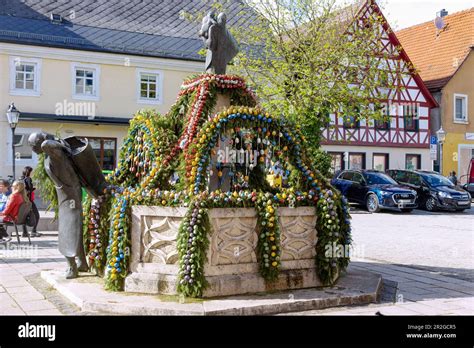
{"x": 232, "y": 267}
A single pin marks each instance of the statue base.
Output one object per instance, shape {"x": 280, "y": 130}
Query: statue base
{"x": 232, "y": 266}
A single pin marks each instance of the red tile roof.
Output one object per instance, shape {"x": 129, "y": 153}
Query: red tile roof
{"x": 437, "y": 54}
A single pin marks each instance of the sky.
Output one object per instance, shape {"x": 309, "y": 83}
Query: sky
{"x": 405, "y": 13}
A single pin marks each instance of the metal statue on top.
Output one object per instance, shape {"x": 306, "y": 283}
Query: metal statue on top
{"x": 221, "y": 45}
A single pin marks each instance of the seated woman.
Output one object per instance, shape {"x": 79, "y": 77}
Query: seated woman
{"x": 18, "y": 196}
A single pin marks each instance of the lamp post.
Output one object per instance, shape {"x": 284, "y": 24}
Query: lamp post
{"x": 441, "y": 134}
{"x": 13, "y": 116}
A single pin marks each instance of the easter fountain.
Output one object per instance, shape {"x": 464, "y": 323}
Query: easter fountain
{"x": 217, "y": 197}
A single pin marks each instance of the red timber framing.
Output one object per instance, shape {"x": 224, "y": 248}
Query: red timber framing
{"x": 407, "y": 88}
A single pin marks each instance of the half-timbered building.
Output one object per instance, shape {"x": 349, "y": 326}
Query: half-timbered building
{"x": 403, "y": 139}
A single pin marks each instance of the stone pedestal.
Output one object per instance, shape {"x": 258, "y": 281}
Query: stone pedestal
{"x": 232, "y": 266}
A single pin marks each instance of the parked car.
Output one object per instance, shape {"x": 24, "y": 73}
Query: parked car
{"x": 469, "y": 185}
{"x": 375, "y": 190}
{"x": 434, "y": 190}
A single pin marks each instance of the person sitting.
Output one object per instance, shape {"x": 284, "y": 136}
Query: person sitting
{"x": 5, "y": 192}
{"x": 18, "y": 196}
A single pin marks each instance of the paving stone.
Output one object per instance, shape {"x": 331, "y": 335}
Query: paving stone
{"x": 13, "y": 282}
{"x": 397, "y": 310}
{"x": 35, "y": 305}
{"x": 45, "y": 312}
{"x": 421, "y": 308}
{"x": 30, "y": 295}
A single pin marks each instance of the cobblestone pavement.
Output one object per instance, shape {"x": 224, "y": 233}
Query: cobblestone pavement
{"x": 429, "y": 255}
{"x": 20, "y": 265}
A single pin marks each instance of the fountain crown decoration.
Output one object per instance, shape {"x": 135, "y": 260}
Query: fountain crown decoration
{"x": 219, "y": 42}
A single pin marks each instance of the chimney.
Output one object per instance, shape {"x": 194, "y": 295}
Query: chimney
{"x": 442, "y": 13}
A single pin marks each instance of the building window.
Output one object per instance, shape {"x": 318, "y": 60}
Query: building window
{"x": 105, "y": 150}
{"x": 24, "y": 155}
{"x": 412, "y": 162}
{"x": 25, "y": 76}
{"x": 384, "y": 123}
{"x": 22, "y": 149}
{"x": 356, "y": 160}
{"x": 85, "y": 81}
{"x": 337, "y": 161}
{"x": 460, "y": 108}
{"x": 410, "y": 117}
{"x": 351, "y": 122}
{"x": 150, "y": 86}
{"x": 380, "y": 161}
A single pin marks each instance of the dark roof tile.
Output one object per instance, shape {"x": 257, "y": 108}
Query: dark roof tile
{"x": 144, "y": 27}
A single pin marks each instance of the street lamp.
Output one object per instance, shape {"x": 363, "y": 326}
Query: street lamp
{"x": 441, "y": 134}
{"x": 13, "y": 116}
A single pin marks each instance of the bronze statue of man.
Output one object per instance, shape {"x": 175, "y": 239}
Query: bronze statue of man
{"x": 221, "y": 45}
{"x": 71, "y": 165}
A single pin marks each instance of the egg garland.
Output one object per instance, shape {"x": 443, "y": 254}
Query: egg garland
{"x": 148, "y": 158}
{"x": 183, "y": 141}
{"x": 118, "y": 248}
{"x": 268, "y": 246}
{"x": 192, "y": 245}
{"x": 209, "y": 135}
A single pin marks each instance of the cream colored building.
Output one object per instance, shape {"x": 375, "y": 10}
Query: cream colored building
{"x": 90, "y": 94}
{"x": 82, "y": 68}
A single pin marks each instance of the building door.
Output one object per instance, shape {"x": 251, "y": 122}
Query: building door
{"x": 380, "y": 161}
{"x": 412, "y": 162}
{"x": 337, "y": 161}
{"x": 356, "y": 160}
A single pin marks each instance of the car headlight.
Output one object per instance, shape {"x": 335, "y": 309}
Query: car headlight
{"x": 413, "y": 193}
{"x": 384, "y": 193}
{"x": 444, "y": 195}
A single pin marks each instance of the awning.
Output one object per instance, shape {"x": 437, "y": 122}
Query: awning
{"x": 32, "y": 116}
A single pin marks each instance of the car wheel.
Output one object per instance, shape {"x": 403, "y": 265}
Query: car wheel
{"x": 372, "y": 203}
{"x": 430, "y": 204}
{"x": 406, "y": 210}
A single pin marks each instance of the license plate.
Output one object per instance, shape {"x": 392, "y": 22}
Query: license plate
{"x": 464, "y": 202}
{"x": 404, "y": 201}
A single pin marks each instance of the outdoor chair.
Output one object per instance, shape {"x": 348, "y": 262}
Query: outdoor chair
{"x": 23, "y": 212}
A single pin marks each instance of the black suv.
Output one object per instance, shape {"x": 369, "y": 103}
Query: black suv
{"x": 434, "y": 190}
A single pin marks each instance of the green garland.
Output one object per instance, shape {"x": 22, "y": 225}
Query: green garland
{"x": 192, "y": 245}
{"x": 268, "y": 247}
{"x": 45, "y": 186}
{"x": 118, "y": 249}
{"x": 180, "y": 142}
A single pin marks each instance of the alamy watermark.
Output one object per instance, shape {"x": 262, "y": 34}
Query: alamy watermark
{"x": 335, "y": 250}
{"x": 68, "y": 108}
{"x": 15, "y": 251}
